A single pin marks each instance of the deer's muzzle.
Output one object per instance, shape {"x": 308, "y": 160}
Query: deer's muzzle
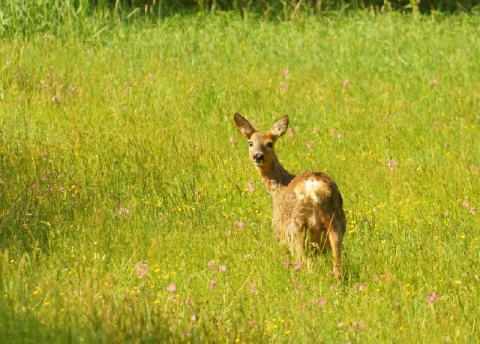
{"x": 259, "y": 158}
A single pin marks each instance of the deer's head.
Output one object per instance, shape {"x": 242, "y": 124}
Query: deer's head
{"x": 261, "y": 143}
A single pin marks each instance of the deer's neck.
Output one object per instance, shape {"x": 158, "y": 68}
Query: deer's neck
{"x": 276, "y": 177}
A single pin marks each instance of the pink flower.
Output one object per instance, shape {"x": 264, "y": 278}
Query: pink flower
{"x": 432, "y": 298}
{"x": 141, "y": 269}
{"x": 239, "y": 224}
{"x": 287, "y": 264}
{"x": 250, "y": 187}
{"x": 362, "y": 287}
{"x": 211, "y": 265}
{"x": 213, "y": 284}
{"x": 189, "y": 301}
{"x": 283, "y": 87}
{"x": 309, "y": 144}
{"x": 319, "y": 302}
{"x": 223, "y": 268}
{"x": 391, "y": 164}
{"x": 172, "y": 288}
{"x": 123, "y": 210}
{"x": 297, "y": 266}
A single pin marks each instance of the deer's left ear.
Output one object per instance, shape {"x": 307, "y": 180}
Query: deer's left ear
{"x": 280, "y": 127}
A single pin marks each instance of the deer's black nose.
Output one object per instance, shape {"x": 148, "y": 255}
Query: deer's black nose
{"x": 258, "y": 157}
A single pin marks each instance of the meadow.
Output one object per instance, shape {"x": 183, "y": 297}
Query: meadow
{"x": 130, "y": 212}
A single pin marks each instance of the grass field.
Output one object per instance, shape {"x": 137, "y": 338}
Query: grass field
{"x": 126, "y": 213}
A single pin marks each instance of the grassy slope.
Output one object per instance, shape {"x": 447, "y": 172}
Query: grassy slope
{"x": 123, "y": 150}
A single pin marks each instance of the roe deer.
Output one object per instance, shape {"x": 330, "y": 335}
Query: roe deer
{"x": 307, "y": 208}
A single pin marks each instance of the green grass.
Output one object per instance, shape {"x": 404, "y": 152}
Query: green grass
{"x": 121, "y": 149}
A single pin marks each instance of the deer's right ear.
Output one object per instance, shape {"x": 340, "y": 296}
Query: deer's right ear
{"x": 243, "y": 126}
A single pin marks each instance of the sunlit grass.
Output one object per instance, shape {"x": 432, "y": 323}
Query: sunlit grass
{"x": 130, "y": 212}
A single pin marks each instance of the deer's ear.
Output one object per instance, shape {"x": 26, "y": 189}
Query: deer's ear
{"x": 243, "y": 126}
{"x": 280, "y": 127}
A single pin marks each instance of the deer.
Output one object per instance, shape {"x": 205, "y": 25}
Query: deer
{"x": 307, "y": 207}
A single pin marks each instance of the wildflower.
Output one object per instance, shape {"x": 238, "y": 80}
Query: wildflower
{"x": 198, "y": 195}
{"x": 465, "y": 203}
{"x": 283, "y": 87}
{"x": 362, "y": 287}
{"x": 56, "y": 99}
{"x": 434, "y": 82}
{"x": 357, "y": 326}
{"x": 250, "y": 186}
{"x": 319, "y": 302}
{"x": 287, "y": 264}
{"x": 223, "y": 268}
{"x": 213, "y": 284}
{"x": 172, "y": 288}
{"x": 286, "y": 73}
{"x": 340, "y": 324}
{"x": 141, "y": 269}
{"x": 309, "y": 144}
{"x": 193, "y": 318}
{"x": 251, "y": 287}
{"x": 391, "y": 164}
{"x": 239, "y": 224}
{"x": 123, "y": 210}
{"x": 432, "y": 298}
{"x": 211, "y": 265}
{"x": 346, "y": 82}
{"x": 189, "y": 301}
{"x": 246, "y": 256}
{"x": 297, "y": 266}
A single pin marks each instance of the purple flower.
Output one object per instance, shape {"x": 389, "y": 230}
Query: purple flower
{"x": 250, "y": 187}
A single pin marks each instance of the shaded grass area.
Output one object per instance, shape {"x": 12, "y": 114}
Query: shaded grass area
{"x": 123, "y": 183}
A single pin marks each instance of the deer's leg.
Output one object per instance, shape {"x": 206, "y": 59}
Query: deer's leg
{"x": 335, "y": 236}
{"x": 299, "y": 242}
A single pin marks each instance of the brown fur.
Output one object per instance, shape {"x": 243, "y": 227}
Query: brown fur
{"x": 307, "y": 207}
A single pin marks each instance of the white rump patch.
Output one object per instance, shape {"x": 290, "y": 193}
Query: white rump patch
{"x": 311, "y": 188}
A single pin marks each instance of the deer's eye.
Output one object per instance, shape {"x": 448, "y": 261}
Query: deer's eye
{"x": 269, "y": 144}
{"x": 250, "y": 143}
